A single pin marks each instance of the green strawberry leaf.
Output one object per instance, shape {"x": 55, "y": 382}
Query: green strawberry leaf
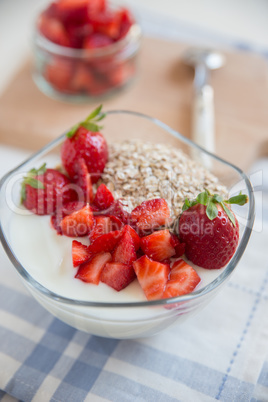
{"x": 202, "y": 198}
{"x": 228, "y": 213}
{"x": 240, "y": 199}
{"x": 90, "y": 123}
{"x": 186, "y": 205}
{"x": 217, "y": 198}
{"x": 91, "y": 127}
{"x": 211, "y": 210}
{"x": 32, "y": 181}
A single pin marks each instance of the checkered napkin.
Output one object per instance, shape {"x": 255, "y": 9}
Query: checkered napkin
{"x": 219, "y": 354}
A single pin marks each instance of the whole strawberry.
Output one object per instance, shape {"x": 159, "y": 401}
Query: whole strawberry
{"x": 85, "y": 141}
{"x": 210, "y": 229}
{"x": 43, "y": 190}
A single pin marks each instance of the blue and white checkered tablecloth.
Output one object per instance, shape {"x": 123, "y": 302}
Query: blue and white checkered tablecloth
{"x": 220, "y": 354}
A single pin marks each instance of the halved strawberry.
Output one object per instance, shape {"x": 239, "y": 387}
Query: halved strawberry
{"x": 117, "y": 275}
{"x": 158, "y": 245}
{"x": 135, "y": 237}
{"x": 183, "y": 279}
{"x": 54, "y": 30}
{"x": 58, "y": 73}
{"x": 103, "y": 198}
{"x": 83, "y": 181}
{"x": 106, "y": 242}
{"x": 79, "y": 223}
{"x": 80, "y": 253}
{"x": 152, "y": 277}
{"x": 179, "y": 247}
{"x": 151, "y": 214}
{"x": 125, "y": 250}
{"x": 103, "y": 225}
{"x": 90, "y": 271}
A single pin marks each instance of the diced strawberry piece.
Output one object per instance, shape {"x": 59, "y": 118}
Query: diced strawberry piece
{"x": 103, "y": 225}
{"x": 167, "y": 262}
{"x": 121, "y": 73}
{"x": 66, "y": 209}
{"x": 125, "y": 250}
{"x": 103, "y": 198}
{"x": 82, "y": 78}
{"x": 135, "y": 237}
{"x": 78, "y": 223}
{"x": 117, "y": 209}
{"x": 96, "y": 7}
{"x": 90, "y": 271}
{"x": 151, "y": 214}
{"x": 107, "y": 23}
{"x": 83, "y": 181}
{"x": 59, "y": 73}
{"x": 183, "y": 280}
{"x": 96, "y": 41}
{"x": 126, "y": 22}
{"x": 72, "y": 11}
{"x": 152, "y": 277}
{"x": 78, "y": 32}
{"x": 117, "y": 275}
{"x": 106, "y": 242}
{"x": 54, "y": 30}
{"x": 80, "y": 253}
{"x": 179, "y": 247}
{"x": 158, "y": 245}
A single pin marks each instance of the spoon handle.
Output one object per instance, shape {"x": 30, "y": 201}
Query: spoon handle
{"x": 203, "y": 118}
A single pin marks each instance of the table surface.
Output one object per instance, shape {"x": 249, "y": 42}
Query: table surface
{"x": 219, "y": 355}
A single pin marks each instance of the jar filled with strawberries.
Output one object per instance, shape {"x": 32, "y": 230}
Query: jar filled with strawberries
{"x": 84, "y": 49}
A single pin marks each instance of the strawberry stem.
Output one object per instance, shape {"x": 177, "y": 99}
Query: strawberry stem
{"x": 31, "y": 180}
{"x": 90, "y": 122}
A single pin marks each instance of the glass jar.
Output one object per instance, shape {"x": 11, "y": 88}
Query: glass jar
{"x": 81, "y": 75}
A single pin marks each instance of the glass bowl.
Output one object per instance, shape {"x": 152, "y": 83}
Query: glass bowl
{"x": 82, "y": 75}
{"x": 119, "y": 317}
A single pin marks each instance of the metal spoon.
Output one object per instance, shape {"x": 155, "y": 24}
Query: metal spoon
{"x": 203, "y": 60}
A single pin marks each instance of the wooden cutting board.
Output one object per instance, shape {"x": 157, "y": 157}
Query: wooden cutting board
{"x": 163, "y": 89}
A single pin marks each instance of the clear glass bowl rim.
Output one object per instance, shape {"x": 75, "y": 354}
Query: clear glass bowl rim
{"x": 162, "y": 302}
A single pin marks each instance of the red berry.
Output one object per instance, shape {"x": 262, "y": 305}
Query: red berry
{"x": 152, "y": 276}
{"x": 83, "y": 181}
{"x": 80, "y": 253}
{"x": 117, "y": 275}
{"x": 209, "y": 243}
{"x": 104, "y": 225}
{"x": 96, "y": 41}
{"x": 158, "y": 245}
{"x": 78, "y": 223}
{"x": 54, "y": 191}
{"x": 151, "y": 214}
{"x": 91, "y": 146}
{"x": 125, "y": 250}
{"x": 183, "y": 280}
{"x": 90, "y": 271}
{"x": 103, "y": 198}
{"x": 106, "y": 242}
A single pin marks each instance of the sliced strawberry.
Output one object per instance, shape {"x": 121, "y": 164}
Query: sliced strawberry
{"x": 107, "y": 23}
{"x": 80, "y": 253}
{"x": 135, "y": 237}
{"x": 179, "y": 247}
{"x": 54, "y": 30}
{"x": 90, "y": 271}
{"x": 59, "y": 73}
{"x": 82, "y": 78}
{"x": 106, "y": 242}
{"x": 78, "y": 223}
{"x": 97, "y": 40}
{"x": 152, "y": 277}
{"x": 158, "y": 245}
{"x": 151, "y": 214}
{"x": 103, "y": 198}
{"x": 183, "y": 280}
{"x": 117, "y": 209}
{"x": 125, "y": 250}
{"x": 103, "y": 225}
{"x": 167, "y": 262}
{"x": 66, "y": 209}
{"x": 83, "y": 181}
{"x": 117, "y": 275}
